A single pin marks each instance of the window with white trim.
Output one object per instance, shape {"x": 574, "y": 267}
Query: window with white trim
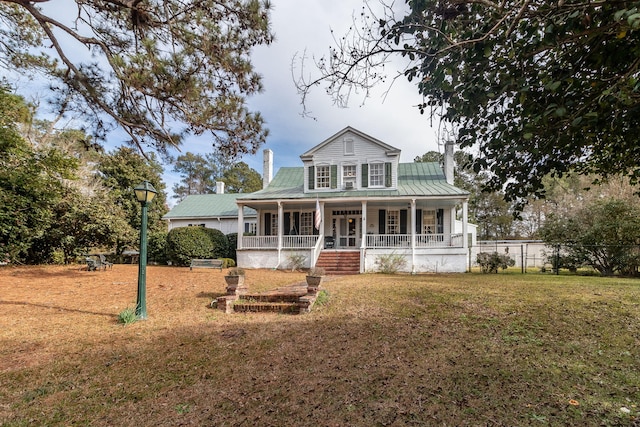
{"x": 376, "y": 174}
{"x": 348, "y": 171}
{"x": 323, "y": 177}
{"x": 393, "y": 222}
{"x": 349, "y": 176}
{"x": 306, "y": 223}
{"x": 251, "y": 228}
{"x": 429, "y": 222}
{"x": 274, "y": 224}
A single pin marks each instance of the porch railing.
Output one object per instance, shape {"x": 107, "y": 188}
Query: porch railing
{"x": 294, "y": 242}
{"x": 457, "y": 240}
{"x": 432, "y": 240}
{"x": 271, "y": 242}
{"x": 259, "y": 242}
{"x": 388, "y": 240}
{"x": 373, "y": 241}
{"x": 422, "y": 240}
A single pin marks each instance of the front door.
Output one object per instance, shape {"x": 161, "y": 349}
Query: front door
{"x": 347, "y": 229}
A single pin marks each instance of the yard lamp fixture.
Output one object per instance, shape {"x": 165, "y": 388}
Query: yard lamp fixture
{"x": 145, "y": 194}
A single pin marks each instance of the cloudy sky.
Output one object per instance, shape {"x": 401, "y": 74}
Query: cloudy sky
{"x": 300, "y": 26}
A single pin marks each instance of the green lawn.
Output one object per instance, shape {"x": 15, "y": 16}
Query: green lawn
{"x": 443, "y": 350}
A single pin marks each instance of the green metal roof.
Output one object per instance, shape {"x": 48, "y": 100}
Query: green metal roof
{"x": 414, "y": 179}
{"x": 207, "y": 206}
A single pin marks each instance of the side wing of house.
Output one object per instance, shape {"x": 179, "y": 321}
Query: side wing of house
{"x": 218, "y": 211}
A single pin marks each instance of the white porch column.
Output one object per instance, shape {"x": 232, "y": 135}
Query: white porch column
{"x": 465, "y": 219}
{"x": 413, "y": 236}
{"x": 413, "y": 223}
{"x": 240, "y": 224}
{"x": 453, "y": 222}
{"x": 280, "y": 226}
{"x": 363, "y": 226}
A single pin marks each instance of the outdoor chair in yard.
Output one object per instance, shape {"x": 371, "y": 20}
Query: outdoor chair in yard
{"x": 92, "y": 264}
{"x": 105, "y": 263}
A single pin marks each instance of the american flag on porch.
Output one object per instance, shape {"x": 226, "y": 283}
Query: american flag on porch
{"x": 318, "y": 218}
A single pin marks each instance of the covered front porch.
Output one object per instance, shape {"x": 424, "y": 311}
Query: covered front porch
{"x": 421, "y": 230}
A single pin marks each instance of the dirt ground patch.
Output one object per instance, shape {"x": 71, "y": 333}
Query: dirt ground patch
{"x": 387, "y": 350}
{"x": 49, "y": 309}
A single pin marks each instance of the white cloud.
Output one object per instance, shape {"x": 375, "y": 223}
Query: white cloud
{"x": 306, "y": 26}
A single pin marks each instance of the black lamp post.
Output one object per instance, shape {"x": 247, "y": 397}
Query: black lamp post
{"x": 145, "y": 194}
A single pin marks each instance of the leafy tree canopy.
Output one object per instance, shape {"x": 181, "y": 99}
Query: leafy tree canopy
{"x": 198, "y": 175}
{"x": 539, "y": 87}
{"x": 120, "y": 171}
{"x": 240, "y": 178}
{"x": 159, "y": 69}
{"x": 31, "y": 181}
{"x": 59, "y": 198}
{"x": 603, "y": 234}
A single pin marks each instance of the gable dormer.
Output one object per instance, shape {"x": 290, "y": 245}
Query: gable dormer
{"x": 350, "y": 160}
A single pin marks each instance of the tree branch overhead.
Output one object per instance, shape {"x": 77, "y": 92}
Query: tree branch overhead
{"x": 159, "y": 69}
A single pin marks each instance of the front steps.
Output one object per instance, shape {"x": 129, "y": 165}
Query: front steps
{"x": 290, "y": 300}
{"x": 338, "y": 263}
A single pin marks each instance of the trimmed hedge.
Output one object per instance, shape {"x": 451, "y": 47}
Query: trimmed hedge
{"x": 157, "y": 247}
{"x": 232, "y": 244}
{"x": 186, "y": 243}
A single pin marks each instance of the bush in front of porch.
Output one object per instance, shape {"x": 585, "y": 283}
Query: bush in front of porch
{"x": 390, "y": 263}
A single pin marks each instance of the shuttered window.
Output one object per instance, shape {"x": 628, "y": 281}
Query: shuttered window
{"x": 387, "y": 174}
{"x": 312, "y": 177}
{"x": 334, "y": 176}
{"x": 270, "y": 224}
{"x": 393, "y": 222}
{"x": 365, "y": 175}
{"x": 274, "y": 224}
{"x": 323, "y": 177}
{"x": 376, "y": 174}
{"x": 306, "y": 223}
{"x": 429, "y": 221}
{"x": 403, "y": 221}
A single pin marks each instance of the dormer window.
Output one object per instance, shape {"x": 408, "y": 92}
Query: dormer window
{"x": 376, "y": 174}
{"x": 349, "y": 176}
{"x": 349, "y": 171}
{"x": 323, "y": 177}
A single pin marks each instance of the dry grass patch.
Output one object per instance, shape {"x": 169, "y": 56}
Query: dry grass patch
{"x": 386, "y": 350}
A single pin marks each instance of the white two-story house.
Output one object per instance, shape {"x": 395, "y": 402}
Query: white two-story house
{"x": 352, "y": 195}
